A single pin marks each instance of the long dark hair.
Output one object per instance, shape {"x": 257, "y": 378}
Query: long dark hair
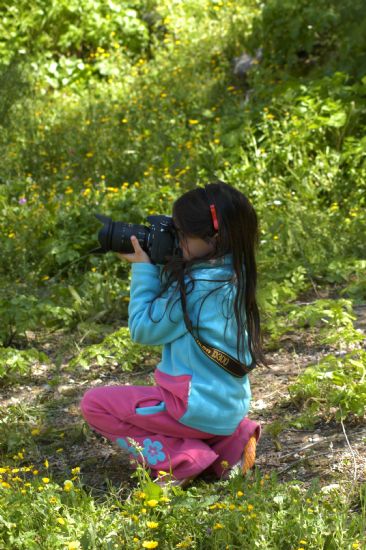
{"x": 237, "y": 234}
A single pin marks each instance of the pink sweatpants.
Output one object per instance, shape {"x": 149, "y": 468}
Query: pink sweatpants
{"x": 165, "y": 444}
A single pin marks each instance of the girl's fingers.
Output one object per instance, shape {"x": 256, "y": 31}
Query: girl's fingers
{"x": 135, "y": 244}
{"x": 138, "y": 255}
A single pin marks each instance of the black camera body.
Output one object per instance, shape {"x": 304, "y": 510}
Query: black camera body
{"x": 159, "y": 241}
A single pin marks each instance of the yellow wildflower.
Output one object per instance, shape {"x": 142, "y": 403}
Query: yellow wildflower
{"x": 35, "y": 431}
{"x": 45, "y": 480}
{"x": 74, "y": 545}
{"x": 250, "y": 507}
{"x": 75, "y": 470}
{"x": 152, "y": 524}
{"x": 46, "y": 463}
{"x": 68, "y": 485}
{"x": 239, "y": 494}
{"x": 193, "y": 121}
{"x": 218, "y": 526}
{"x": 152, "y": 503}
{"x": 150, "y": 544}
{"x": 61, "y": 521}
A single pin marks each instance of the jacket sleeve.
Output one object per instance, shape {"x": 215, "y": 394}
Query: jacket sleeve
{"x": 165, "y": 322}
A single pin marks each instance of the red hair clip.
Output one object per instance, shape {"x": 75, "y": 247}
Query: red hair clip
{"x": 214, "y": 217}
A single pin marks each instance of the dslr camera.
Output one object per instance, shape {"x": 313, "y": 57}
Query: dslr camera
{"x": 159, "y": 241}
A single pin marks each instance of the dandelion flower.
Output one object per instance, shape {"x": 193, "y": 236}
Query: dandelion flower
{"x": 150, "y": 544}
{"x": 152, "y": 524}
{"x": 45, "y": 479}
{"x": 74, "y": 545}
{"x": 68, "y": 485}
{"x": 61, "y": 521}
{"x": 152, "y": 503}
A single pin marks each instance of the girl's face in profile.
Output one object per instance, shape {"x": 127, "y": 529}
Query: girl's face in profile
{"x": 194, "y": 247}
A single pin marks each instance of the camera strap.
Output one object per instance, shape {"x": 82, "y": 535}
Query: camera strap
{"x": 225, "y": 361}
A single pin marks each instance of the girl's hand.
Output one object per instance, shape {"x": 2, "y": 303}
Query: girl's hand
{"x": 139, "y": 255}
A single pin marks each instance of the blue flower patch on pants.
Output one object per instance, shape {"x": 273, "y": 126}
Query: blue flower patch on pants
{"x": 153, "y": 451}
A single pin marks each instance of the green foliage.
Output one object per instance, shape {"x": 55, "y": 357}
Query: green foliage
{"x": 115, "y": 349}
{"x": 259, "y": 512}
{"x": 23, "y": 312}
{"x": 335, "y": 386}
{"x": 73, "y": 27}
{"x": 299, "y": 34}
{"x": 16, "y": 365}
{"x": 329, "y": 322}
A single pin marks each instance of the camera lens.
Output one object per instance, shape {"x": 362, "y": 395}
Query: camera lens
{"x": 116, "y": 236}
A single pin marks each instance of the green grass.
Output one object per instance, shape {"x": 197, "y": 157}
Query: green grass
{"x": 257, "y": 512}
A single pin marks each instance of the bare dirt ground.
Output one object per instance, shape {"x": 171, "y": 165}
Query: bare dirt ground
{"x": 331, "y": 451}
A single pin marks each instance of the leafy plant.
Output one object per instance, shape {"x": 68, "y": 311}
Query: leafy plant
{"x": 335, "y": 387}
{"x": 16, "y": 365}
{"x": 115, "y": 349}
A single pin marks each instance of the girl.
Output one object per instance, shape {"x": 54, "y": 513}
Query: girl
{"x": 194, "y": 418}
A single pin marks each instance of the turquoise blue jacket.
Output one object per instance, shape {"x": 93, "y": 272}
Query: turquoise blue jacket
{"x": 196, "y": 391}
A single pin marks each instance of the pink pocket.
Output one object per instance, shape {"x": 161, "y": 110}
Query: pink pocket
{"x": 175, "y": 390}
